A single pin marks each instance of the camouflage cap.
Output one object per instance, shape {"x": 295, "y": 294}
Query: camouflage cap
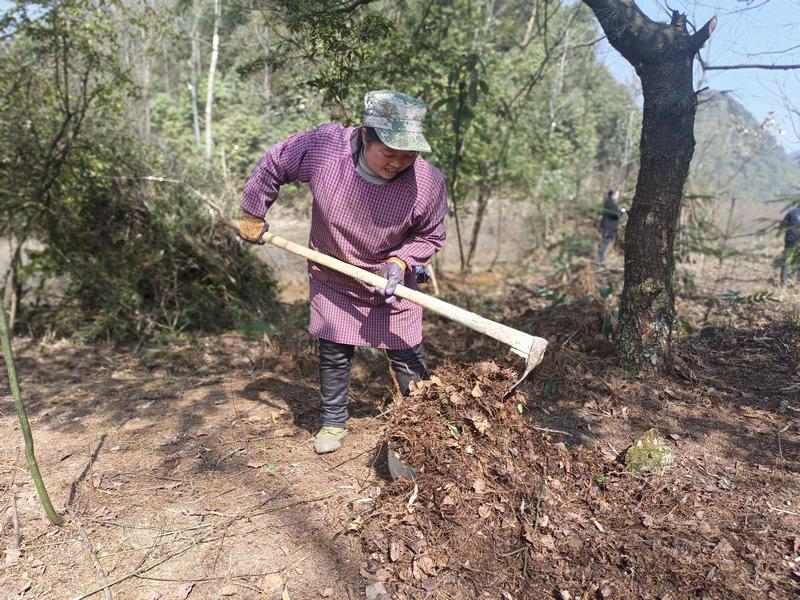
{"x": 397, "y": 119}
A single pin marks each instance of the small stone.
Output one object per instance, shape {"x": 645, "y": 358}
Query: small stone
{"x": 649, "y": 454}
{"x": 326, "y": 593}
{"x": 376, "y": 591}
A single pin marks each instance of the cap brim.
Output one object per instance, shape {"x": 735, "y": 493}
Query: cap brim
{"x": 403, "y": 140}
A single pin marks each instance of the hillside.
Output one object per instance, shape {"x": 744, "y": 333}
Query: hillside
{"x": 736, "y": 156}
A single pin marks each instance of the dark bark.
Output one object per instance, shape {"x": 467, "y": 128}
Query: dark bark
{"x": 662, "y": 54}
{"x": 480, "y": 212}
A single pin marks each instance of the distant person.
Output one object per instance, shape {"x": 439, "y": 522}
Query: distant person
{"x": 791, "y": 244}
{"x": 609, "y": 223}
{"x": 378, "y": 205}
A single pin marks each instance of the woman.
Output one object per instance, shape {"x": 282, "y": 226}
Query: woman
{"x": 377, "y": 205}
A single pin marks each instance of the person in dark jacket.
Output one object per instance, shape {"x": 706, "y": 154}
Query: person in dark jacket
{"x": 791, "y": 244}
{"x": 609, "y": 224}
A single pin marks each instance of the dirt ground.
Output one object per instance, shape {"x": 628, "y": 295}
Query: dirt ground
{"x": 188, "y": 471}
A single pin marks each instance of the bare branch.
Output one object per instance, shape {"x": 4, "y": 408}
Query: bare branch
{"x": 350, "y": 8}
{"x": 767, "y": 67}
{"x": 751, "y": 54}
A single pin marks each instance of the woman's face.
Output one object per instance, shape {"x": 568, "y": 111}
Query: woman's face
{"x": 386, "y": 161}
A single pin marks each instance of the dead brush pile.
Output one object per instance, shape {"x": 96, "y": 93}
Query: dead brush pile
{"x": 501, "y": 511}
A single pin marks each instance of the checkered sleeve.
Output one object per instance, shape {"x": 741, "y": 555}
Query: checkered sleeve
{"x": 291, "y": 160}
{"x": 428, "y": 233}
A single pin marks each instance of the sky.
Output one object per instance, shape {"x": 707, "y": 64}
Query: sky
{"x": 748, "y": 32}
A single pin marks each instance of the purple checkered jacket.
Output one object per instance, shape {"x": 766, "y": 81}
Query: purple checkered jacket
{"x": 360, "y": 223}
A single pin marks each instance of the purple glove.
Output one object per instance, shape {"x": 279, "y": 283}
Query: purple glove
{"x": 395, "y": 275}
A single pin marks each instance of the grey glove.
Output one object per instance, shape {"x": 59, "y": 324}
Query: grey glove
{"x": 394, "y": 274}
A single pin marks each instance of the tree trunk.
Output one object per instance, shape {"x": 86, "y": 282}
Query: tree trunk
{"x": 195, "y": 65}
{"x": 146, "y": 93}
{"x": 263, "y": 40}
{"x": 662, "y": 55}
{"x": 212, "y": 71}
{"x": 480, "y": 212}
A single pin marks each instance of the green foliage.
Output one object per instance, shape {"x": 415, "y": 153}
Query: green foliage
{"x": 121, "y": 255}
{"x": 758, "y": 297}
{"x": 140, "y": 259}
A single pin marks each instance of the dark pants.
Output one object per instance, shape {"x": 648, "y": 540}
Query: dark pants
{"x": 334, "y": 376}
{"x": 789, "y": 261}
{"x": 608, "y": 239}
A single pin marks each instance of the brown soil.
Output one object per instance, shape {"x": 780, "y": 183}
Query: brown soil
{"x": 191, "y": 469}
{"x": 195, "y": 462}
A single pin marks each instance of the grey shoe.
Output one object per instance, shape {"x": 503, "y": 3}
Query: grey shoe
{"x": 329, "y": 439}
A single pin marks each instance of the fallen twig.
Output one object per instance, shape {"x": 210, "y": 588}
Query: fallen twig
{"x": 290, "y": 504}
{"x": 546, "y": 430}
{"x": 27, "y": 547}
{"x": 137, "y": 572}
{"x": 15, "y": 543}
{"x": 347, "y": 460}
{"x": 87, "y": 544}
{"x": 603, "y": 383}
{"x": 332, "y": 467}
{"x": 782, "y": 510}
{"x": 284, "y": 568}
{"x": 216, "y": 578}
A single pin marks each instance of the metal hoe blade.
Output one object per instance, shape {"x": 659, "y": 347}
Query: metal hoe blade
{"x": 532, "y": 360}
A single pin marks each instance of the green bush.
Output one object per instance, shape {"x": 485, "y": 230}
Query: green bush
{"x": 124, "y": 252}
{"x": 135, "y": 257}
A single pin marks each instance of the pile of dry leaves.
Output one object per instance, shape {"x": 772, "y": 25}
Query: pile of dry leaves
{"x": 501, "y": 511}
